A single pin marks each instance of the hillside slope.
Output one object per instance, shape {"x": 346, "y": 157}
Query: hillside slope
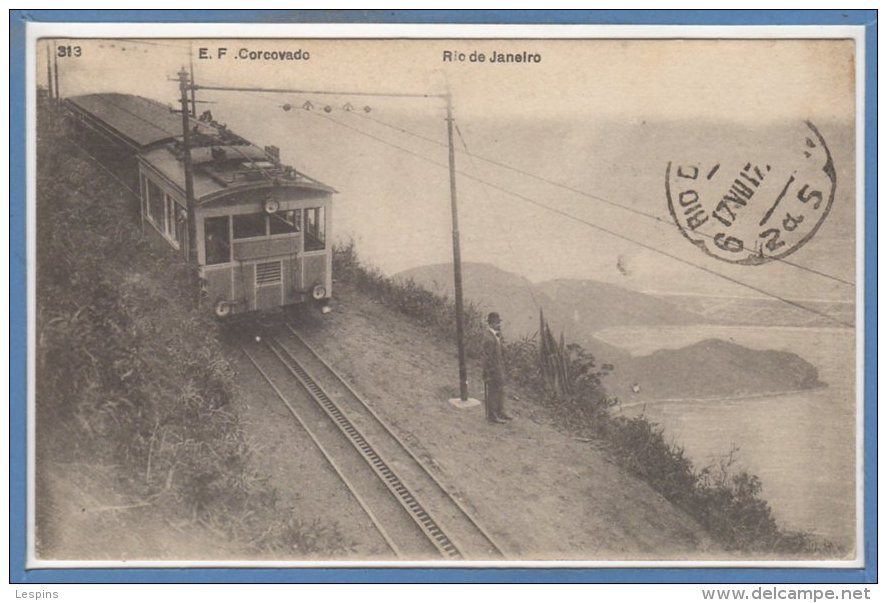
{"x": 541, "y": 493}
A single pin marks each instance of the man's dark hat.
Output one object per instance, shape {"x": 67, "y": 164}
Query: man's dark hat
{"x": 493, "y": 317}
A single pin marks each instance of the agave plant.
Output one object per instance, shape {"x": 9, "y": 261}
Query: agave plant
{"x": 553, "y": 361}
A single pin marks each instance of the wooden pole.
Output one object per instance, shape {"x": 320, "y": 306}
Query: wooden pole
{"x": 49, "y": 106}
{"x": 49, "y": 52}
{"x": 457, "y": 258}
{"x": 190, "y": 242}
{"x": 193, "y": 88}
{"x": 55, "y": 64}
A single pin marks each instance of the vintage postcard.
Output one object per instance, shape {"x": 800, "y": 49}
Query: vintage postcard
{"x": 560, "y": 297}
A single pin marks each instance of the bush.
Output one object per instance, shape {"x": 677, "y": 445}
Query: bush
{"x": 427, "y": 308}
{"x": 131, "y": 372}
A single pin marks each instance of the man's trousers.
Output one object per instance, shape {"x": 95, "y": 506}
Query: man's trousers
{"x": 494, "y": 399}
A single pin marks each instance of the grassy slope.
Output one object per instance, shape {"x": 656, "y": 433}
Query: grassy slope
{"x": 139, "y": 438}
{"x": 541, "y": 493}
{"x": 725, "y": 501}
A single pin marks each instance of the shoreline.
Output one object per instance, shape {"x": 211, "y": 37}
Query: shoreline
{"x": 772, "y": 394}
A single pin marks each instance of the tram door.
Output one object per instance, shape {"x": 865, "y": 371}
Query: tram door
{"x": 293, "y": 289}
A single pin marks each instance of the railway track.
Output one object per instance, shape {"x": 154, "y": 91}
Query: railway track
{"x": 417, "y": 516}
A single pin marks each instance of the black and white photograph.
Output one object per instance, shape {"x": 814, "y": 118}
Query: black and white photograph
{"x": 484, "y": 301}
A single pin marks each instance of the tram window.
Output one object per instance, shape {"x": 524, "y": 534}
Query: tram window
{"x": 285, "y": 222}
{"x": 315, "y": 231}
{"x": 176, "y": 215}
{"x": 249, "y": 225}
{"x": 181, "y": 222}
{"x": 170, "y": 217}
{"x": 144, "y": 188}
{"x": 155, "y": 203}
{"x": 216, "y": 240}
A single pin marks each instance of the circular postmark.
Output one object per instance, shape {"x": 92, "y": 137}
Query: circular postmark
{"x": 753, "y": 210}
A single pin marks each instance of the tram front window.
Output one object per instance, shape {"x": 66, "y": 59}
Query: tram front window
{"x": 249, "y": 225}
{"x": 286, "y": 222}
{"x": 217, "y": 240}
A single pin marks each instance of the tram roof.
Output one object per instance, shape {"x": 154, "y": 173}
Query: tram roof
{"x": 141, "y": 121}
{"x": 244, "y": 167}
{"x": 222, "y": 160}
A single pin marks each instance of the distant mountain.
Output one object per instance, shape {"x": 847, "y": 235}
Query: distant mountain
{"x": 578, "y": 307}
{"x": 514, "y": 297}
{"x": 710, "y": 368}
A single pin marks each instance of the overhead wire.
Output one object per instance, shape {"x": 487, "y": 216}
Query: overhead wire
{"x": 487, "y": 197}
{"x": 588, "y": 194}
{"x": 601, "y": 228}
{"x": 590, "y": 224}
{"x": 142, "y": 41}
{"x": 574, "y": 190}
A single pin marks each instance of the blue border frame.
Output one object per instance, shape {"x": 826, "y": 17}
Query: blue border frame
{"x": 18, "y": 303}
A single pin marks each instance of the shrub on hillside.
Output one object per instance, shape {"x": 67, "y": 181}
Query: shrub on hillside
{"x": 427, "y": 308}
{"x": 131, "y": 373}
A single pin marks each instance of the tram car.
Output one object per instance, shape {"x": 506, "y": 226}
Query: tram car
{"x": 258, "y": 230}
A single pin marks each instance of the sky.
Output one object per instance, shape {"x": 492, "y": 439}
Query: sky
{"x": 602, "y": 117}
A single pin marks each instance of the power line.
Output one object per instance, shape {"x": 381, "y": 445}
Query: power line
{"x": 598, "y": 227}
{"x": 567, "y": 188}
{"x": 145, "y": 42}
{"x": 589, "y": 195}
{"x": 526, "y": 283}
{"x": 584, "y": 221}
{"x": 323, "y": 92}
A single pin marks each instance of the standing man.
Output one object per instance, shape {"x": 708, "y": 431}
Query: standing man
{"x": 494, "y": 371}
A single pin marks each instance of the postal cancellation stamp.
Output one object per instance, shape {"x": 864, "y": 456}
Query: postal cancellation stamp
{"x": 754, "y": 212}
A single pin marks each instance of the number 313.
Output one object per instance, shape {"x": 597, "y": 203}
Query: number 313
{"x": 69, "y": 51}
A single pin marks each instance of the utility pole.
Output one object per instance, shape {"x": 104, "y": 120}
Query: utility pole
{"x": 457, "y": 258}
{"x": 50, "y": 104}
{"x": 55, "y": 65}
{"x": 184, "y": 84}
{"x": 193, "y": 87}
{"x": 49, "y": 51}
{"x": 464, "y": 401}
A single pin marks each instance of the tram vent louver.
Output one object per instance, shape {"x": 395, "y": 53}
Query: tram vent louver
{"x": 267, "y": 273}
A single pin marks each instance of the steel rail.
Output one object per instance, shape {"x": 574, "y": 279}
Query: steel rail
{"x": 327, "y": 456}
{"x": 398, "y": 439}
{"x": 380, "y": 467}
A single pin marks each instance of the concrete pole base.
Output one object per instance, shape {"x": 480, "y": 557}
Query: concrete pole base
{"x": 460, "y": 403}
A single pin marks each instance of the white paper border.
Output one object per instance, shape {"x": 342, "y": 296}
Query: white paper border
{"x": 457, "y": 31}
